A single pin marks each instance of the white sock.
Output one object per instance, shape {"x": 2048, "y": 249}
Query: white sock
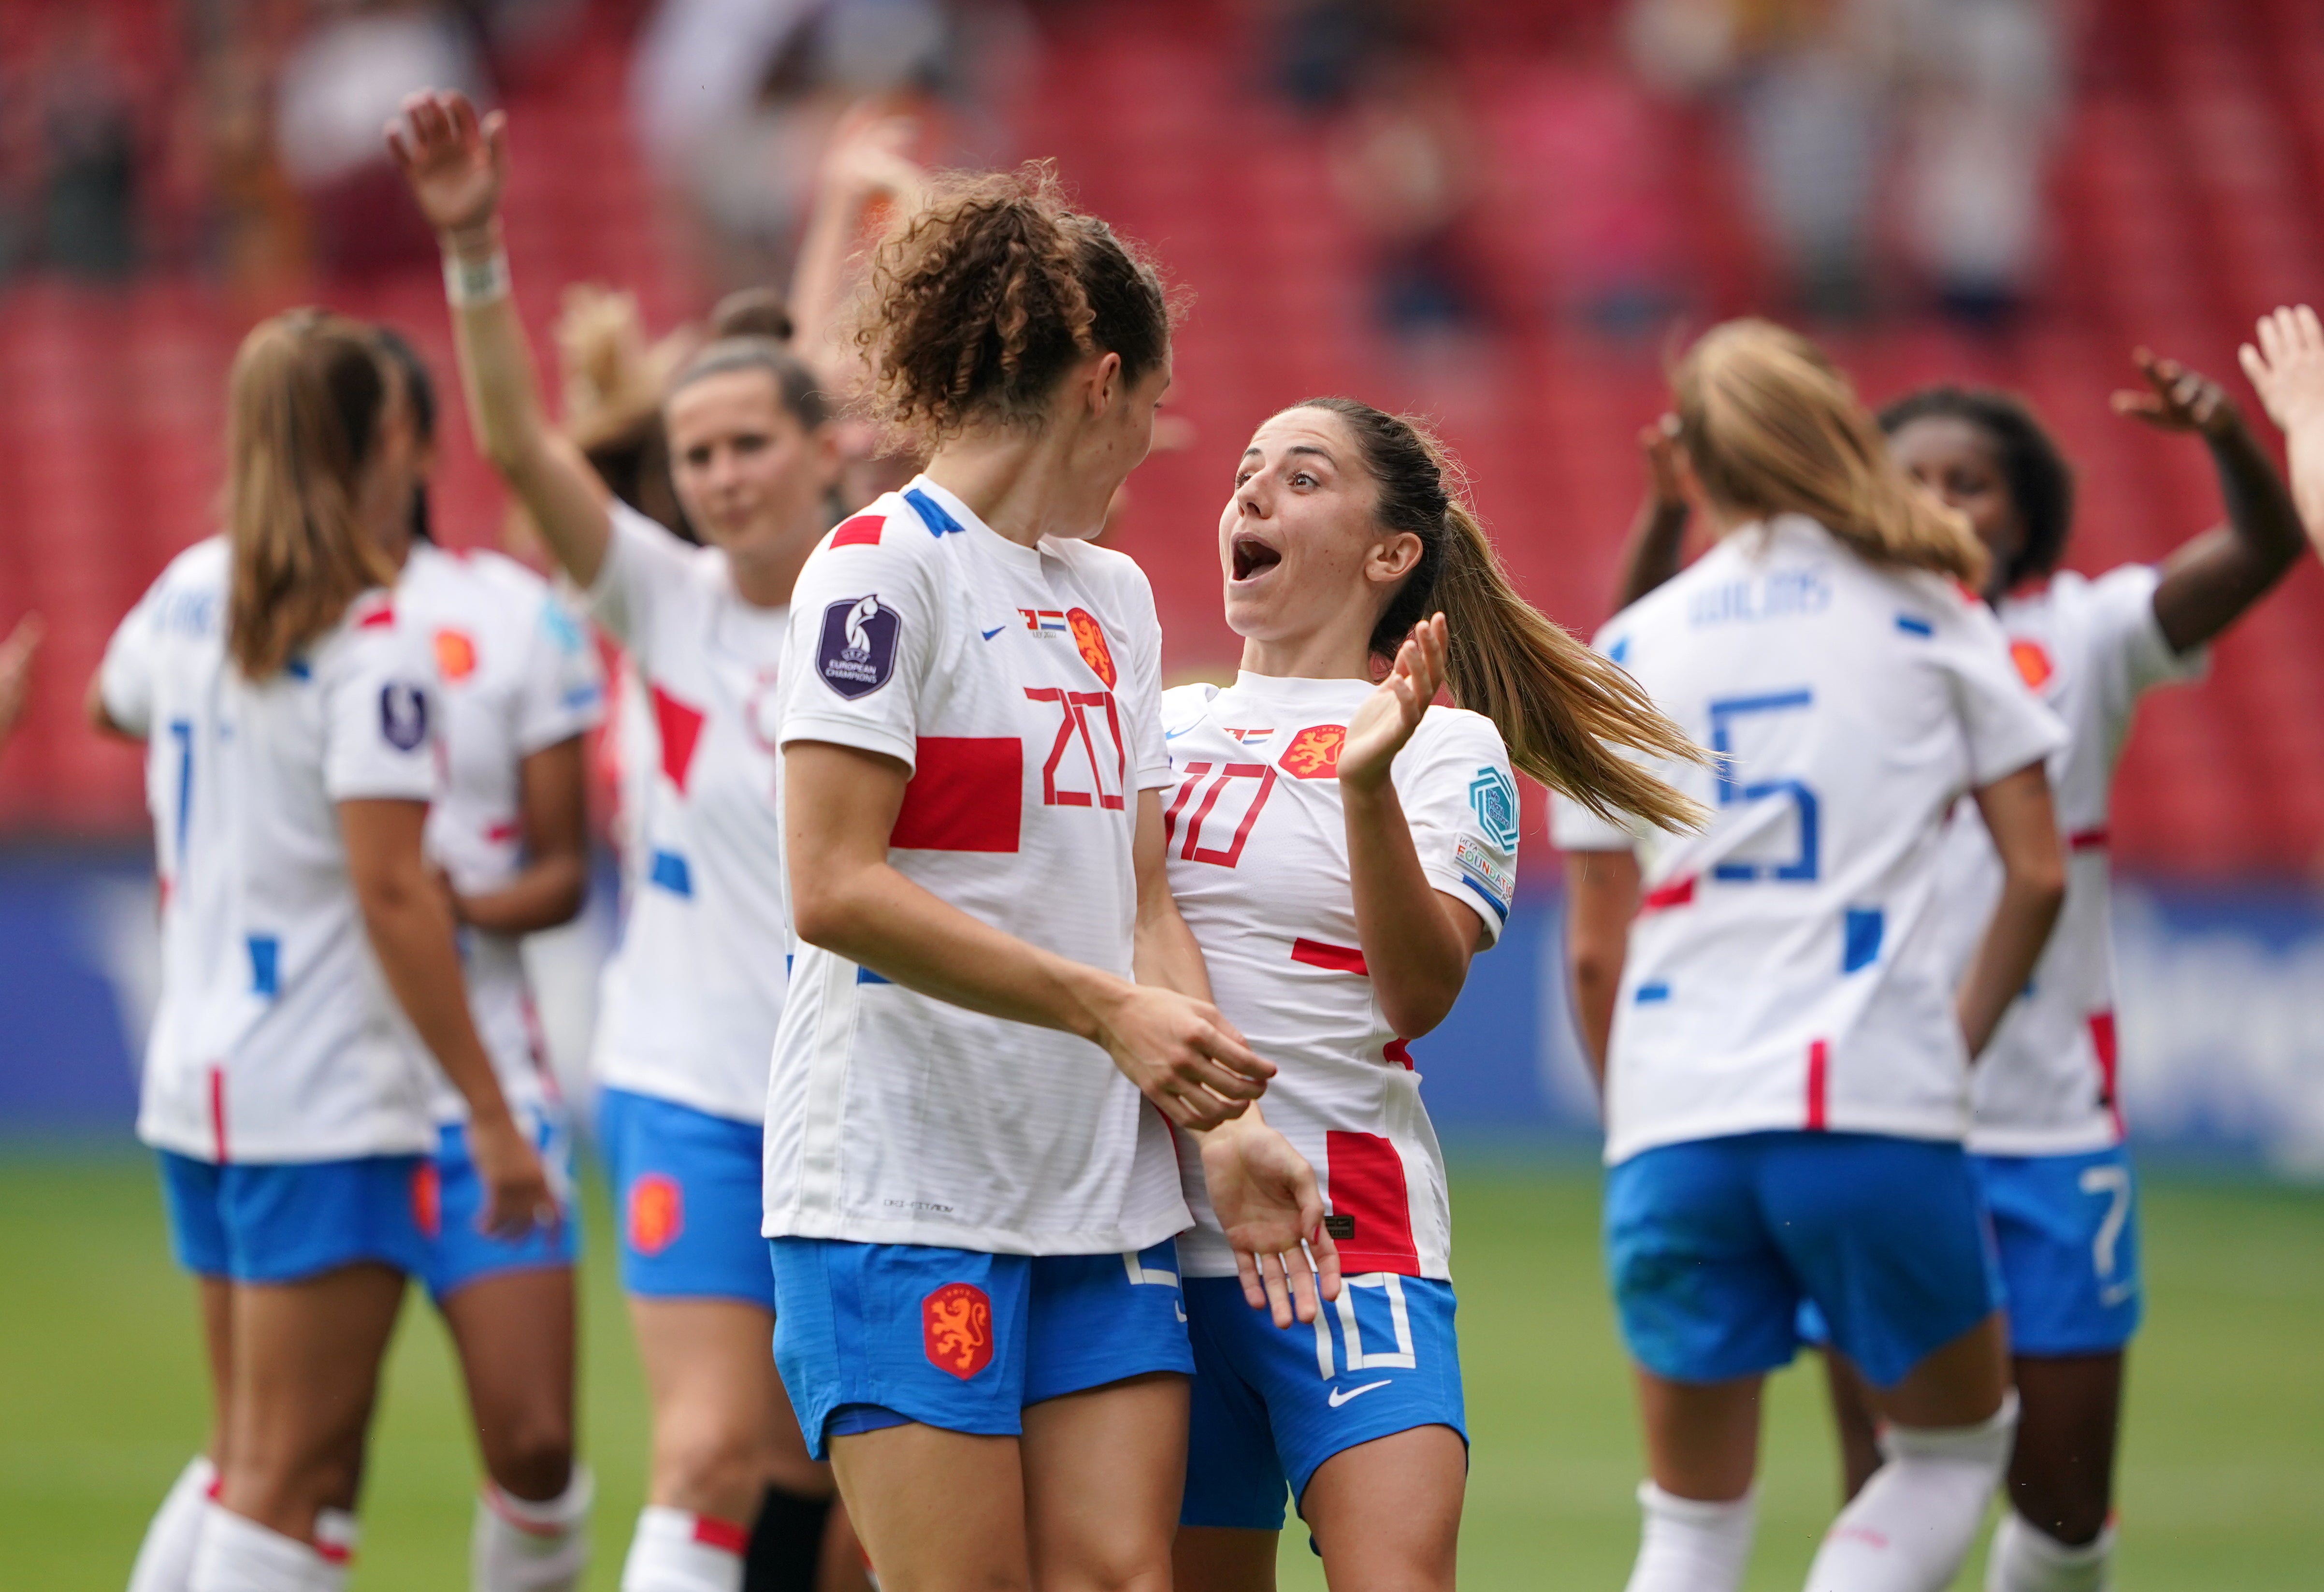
{"x": 165, "y": 1560}
{"x": 2024, "y": 1557}
{"x": 238, "y": 1555}
{"x": 520, "y": 1546}
{"x": 1911, "y": 1525}
{"x": 1688, "y": 1545}
{"x": 677, "y": 1550}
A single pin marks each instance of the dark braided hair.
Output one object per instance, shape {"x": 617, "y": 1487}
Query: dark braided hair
{"x": 2040, "y": 482}
{"x": 980, "y": 301}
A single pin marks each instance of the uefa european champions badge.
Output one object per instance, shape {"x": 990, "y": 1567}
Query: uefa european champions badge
{"x": 856, "y": 651}
{"x": 1493, "y": 798}
{"x": 402, "y": 714}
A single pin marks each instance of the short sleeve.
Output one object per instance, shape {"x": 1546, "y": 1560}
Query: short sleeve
{"x": 2126, "y": 640}
{"x": 646, "y": 567}
{"x": 1460, "y": 796}
{"x": 1143, "y": 701}
{"x": 124, "y": 681}
{"x": 563, "y": 692}
{"x": 2007, "y": 727}
{"x": 866, "y": 619}
{"x": 379, "y": 718}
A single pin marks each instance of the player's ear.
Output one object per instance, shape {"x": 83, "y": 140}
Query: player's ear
{"x": 1393, "y": 558}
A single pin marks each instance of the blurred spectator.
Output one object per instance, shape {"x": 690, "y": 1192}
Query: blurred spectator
{"x": 1323, "y": 46}
{"x": 1404, "y": 157}
{"x": 737, "y": 98}
{"x": 16, "y": 672}
{"x": 89, "y": 137}
{"x": 1810, "y": 81}
{"x": 341, "y": 85}
{"x": 1990, "y": 93}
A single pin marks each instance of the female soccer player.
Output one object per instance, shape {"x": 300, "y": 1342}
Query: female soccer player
{"x": 286, "y": 711}
{"x": 1784, "y": 1059}
{"x": 1340, "y": 850}
{"x": 516, "y": 688}
{"x": 690, "y": 999}
{"x": 2047, "y": 1142}
{"x": 969, "y": 1202}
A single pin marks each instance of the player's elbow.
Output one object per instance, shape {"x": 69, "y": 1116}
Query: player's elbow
{"x": 826, "y": 911}
{"x": 1417, "y": 1012}
{"x": 2038, "y": 878}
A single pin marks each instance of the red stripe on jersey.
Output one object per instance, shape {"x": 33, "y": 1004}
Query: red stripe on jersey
{"x": 217, "y": 1111}
{"x": 2102, "y": 1040}
{"x": 1819, "y": 1064}
{"x": 966, "y": 793}
{"x": 681, "y": 730}
{"x": 1339, "y": 959}
{"x": 380, "y": 618}
{"x": 722, "y": 1534}
{"x": 1678, "y": 893}
{"x": 1364, "y": 1184}
{"x": 1397, "y": 1053}
{"x": 2097, "y": 840}
{"x": 500, "y": 833}
{"x": 333, "y": 1552}
{"x": 862, "y": 530}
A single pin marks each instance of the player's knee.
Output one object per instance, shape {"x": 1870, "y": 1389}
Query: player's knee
{"x": 531, "y": 1456}
{"x": 708, "y": 1456}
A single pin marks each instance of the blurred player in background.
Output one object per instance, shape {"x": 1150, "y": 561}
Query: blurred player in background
{"x": 970, "y": 1211}
{"x": 692, "y": 996}
{"x": 2047, "y": 1143}
{"x": 288, "y": 713}
{"x": 516, "y": 689}
{"x": 16, "y": 655}
{"x": 1785, "y": 1057}
{"x": 1340, "y": 851}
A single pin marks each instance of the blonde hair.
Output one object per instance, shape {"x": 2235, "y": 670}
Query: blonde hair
{"x": 304, "y": 405}
{"x": 1772, "y": 426}
{"x": 1560, "y": 706}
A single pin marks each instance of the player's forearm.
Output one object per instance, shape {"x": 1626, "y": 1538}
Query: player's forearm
{"x": 511, "y": 425}
{"x": 1412, "y": 945}
{"x": 550, "y": 891}
{"x": 1651, "y": 555}
{"x": 1164, "y": 952}
{"x": 411, "y": 933}
{"x": 2021, "y": 920}
{"x": 876, "y": 918}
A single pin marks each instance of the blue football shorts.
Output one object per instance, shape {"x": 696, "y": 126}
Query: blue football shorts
{"x": 686, "y": 1199}
{"x": 290, "y": 1221}
{"x": 2068, "y": 1230}
{"x": 1713, "y": 1245}
{"x": 1271, "y": 1405}
{"x": 458, "y": 1253}
{"x": 869, "y": 1335}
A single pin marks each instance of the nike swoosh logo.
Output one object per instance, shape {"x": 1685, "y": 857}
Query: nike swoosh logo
{"x": 1339, "y": 1398}
{"x": 996, "y": 630}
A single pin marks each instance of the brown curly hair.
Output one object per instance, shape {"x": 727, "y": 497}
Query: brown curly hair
{"x": 979, "y": 302}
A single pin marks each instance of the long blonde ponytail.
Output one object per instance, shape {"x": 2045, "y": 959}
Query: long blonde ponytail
{"x": 304, "y": 406}
{"x": 1772, "y": 427}
{"x": 1560, "y": 707}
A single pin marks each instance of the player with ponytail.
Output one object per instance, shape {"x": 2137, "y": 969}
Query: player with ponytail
{"x": 1340, "y": 847}
{"x": 289, "y": 715}
{"x": 1784, "y": 1040}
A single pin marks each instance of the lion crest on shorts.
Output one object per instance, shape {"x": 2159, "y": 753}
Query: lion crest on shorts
{"x": 957, "y": 1328}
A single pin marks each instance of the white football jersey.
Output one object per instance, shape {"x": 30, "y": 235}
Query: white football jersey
{"x": 514, "y": 675}
{"x": 275, "y": 1038}
{"x": 1022, "y": 687}
{"x": 690, "y": 997}
{"x": 1259, "y": 864}
{"x": 1788, "y": 969}
{"x": 2089, "y": 649}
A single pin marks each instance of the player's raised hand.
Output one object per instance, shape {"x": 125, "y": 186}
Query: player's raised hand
{"x": 2177, "y": 399}
{"x": 2287, "y": 368}
{"x": 1182, "y": 1054}
{"x": 869, "y": 156}
{"x": 456, "y": 163}
{"x": 1665, "y": 465}
{"x": 1267, "y": 1203}
{"x": 1386, "y": 718}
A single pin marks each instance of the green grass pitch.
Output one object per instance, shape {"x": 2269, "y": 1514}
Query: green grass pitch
{"x": 2223, "y": 1480}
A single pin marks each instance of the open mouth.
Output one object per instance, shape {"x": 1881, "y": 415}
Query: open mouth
{"x": 1252, "y": 557}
